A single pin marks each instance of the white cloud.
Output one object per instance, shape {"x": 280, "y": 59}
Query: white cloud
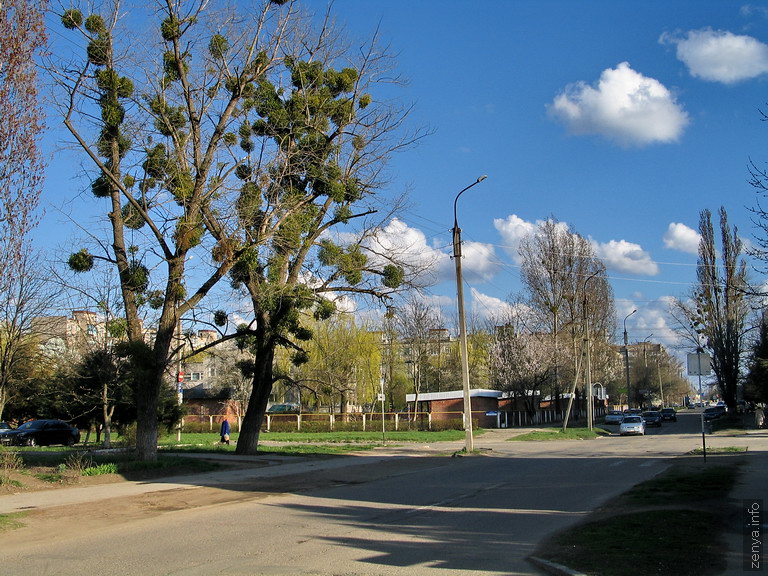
{"x": 479, "y": 263}
{"x": 624, "y": 106}
{"x": 489, "y": 307}
{"x": 681, "y": 237}
{"x": 651, "y": 322}
{"x": 719, "y": 55}
{"x": 513, "y": 229}
{"x": 625, "y": 257}
{"x": 409, "y": 245}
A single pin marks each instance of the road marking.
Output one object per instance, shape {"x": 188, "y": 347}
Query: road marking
{"x": 619, "y": 463}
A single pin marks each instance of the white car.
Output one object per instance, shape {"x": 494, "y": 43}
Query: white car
{"x": 632, "y": 425}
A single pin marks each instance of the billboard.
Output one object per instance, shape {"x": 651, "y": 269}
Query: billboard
{"x": 699, "y": 364}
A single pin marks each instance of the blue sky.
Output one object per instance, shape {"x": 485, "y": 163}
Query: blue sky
{"x": 621, "y": 119}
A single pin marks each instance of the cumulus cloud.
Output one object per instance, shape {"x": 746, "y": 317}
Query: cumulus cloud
{"x": 719, "y": 55}
{"x": 513, "y": 229}
{"x": 410, "y": 246}
{"x": 624, "y": 106}
{"x": 680, "y": 237}
{"x": 625, "y": 257}
{"x": 651, "y": 321}
{"x": 488, "y": 307}
{"x": 479, "y": 262}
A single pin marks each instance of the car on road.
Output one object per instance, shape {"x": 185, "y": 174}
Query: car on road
{"x": 668, "y": 414}
{"x": 652, "y": 418}
{"x": 42, "y": 433}
{"x": 632, "y": 425}
{"x": 714, "y": 413}
{"x": 614, "y": 417}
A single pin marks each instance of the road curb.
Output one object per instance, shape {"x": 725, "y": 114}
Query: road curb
{"x": 553, "y": 567}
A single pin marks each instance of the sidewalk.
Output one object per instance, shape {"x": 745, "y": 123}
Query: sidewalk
{"x": 264, "y": 466}
{"x": 751, "y": 486}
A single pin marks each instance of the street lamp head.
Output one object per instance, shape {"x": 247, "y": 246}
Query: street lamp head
{"x": 455, "y": 201}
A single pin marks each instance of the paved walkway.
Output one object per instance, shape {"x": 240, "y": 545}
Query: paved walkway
{"x": 751, "y": 489}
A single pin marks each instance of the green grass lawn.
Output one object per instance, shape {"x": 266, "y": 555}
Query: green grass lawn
{"x": 211, "y": 440}
{"x": 670, "y": 524}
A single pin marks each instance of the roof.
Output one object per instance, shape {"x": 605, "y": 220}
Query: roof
{"x": 453, "y": 395}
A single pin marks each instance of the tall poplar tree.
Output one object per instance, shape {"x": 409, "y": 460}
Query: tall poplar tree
{"x": 720, "y": 306}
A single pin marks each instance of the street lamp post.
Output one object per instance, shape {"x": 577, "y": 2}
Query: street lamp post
{"x": 626, "y": 355}
{"x": 469, "y": 441}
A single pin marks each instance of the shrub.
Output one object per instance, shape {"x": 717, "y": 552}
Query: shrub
{"x": 10, "y": 461}
{"x": 106, "y": 468}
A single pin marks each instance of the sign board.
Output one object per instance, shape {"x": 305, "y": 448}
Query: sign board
{"x": 699, "y": 364}
{"x": 380, "y": 398}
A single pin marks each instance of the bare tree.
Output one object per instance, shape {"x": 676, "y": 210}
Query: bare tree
{"x": 520, "y": 358}
{"x": 26, "y": 296}
{"x": 565, "y": 286}
{"x": 415, "y": 321}
{"x": 21, "y": 164}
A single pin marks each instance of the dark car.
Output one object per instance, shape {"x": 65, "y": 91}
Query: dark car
{"x": 4, "y": 427}
{"x": 714, "y": 413}
{"x": 652, "y": 418}
{"x": 42, "y": 433}
{"x": 669, "y": 414}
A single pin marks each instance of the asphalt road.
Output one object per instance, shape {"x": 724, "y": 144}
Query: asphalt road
{"x": 391, "y": 515}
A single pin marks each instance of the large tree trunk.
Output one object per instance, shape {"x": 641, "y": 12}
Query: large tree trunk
{"x": 147, "y": 404}
{"x": 248, "y": 440}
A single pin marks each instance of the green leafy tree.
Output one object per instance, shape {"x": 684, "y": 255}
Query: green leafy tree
{"x": 238, "y": 143}
{"x": 332, "y": 140}
{"x": 166, "y": 124}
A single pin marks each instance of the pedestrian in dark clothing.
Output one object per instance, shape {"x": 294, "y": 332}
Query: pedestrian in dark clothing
{"x": 225, "y": 431}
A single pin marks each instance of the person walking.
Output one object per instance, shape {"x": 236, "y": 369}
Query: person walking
{"x": 225, "y": 431}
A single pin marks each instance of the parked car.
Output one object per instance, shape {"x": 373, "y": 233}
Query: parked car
{"x": 42, "y": 433}
{"x": 652, "y": 418}
{"x": 669, "y": 414}
{"x": 633, "y": 412}
{"x": 632, "y": 425}
{"x": 283, "y": 409}
{"x": 4, "y": 427}
{"x": 714, "y": 412}
{"x": 614, "y": 417}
